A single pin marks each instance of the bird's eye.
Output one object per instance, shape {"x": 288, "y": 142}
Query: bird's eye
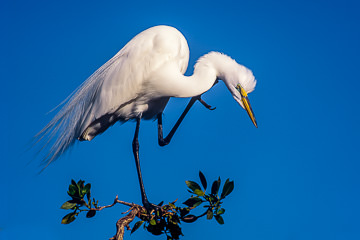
{"x": 241, "y": 91}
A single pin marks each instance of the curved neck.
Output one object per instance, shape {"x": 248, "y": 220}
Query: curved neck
{"x": 210, "y": 67}
{"x": 203, "y": 78}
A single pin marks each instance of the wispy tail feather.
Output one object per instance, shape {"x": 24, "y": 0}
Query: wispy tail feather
{"x": 67, "y": 125}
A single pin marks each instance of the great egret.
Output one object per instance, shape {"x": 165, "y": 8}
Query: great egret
{"x": 136, "y": 84}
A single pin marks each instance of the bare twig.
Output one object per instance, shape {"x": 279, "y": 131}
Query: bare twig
{"x": 116, "y": 200}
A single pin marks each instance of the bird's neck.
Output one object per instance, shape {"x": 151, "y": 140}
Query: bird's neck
{"x": 208, "y": 69}
{"x": 169, "y": 82}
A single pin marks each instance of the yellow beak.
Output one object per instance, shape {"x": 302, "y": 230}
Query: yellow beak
{"x": 246, "y": 102}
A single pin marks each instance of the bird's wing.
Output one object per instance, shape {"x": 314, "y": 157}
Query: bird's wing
{"x": 126, "y": 79}
{"x": 118, "y": 81}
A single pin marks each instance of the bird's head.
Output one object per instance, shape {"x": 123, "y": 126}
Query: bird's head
{"x": 241, "y": 81}
{"x": 238, "y": 79}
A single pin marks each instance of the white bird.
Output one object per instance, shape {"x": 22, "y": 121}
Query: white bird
{"x": 136, "y": 84}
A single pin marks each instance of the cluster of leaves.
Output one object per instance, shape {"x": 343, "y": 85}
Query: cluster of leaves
{"x": 162, "y": 219}
{"x": 77, "y": 192}
{"x": 212, "y": 200}
{"x": 166, "y": 219}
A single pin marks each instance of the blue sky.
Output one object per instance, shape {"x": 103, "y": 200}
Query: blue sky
{"x": 296, "y": 176}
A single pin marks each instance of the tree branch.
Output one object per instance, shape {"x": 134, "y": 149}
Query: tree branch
{"x": 125, "y": 221}
{"x": 116, "y": 200}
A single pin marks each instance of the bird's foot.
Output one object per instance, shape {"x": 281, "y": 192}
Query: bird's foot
{"x": 163, "y": 142}
{"x": 150, "y": 207}
{"x": 205, "y": 104}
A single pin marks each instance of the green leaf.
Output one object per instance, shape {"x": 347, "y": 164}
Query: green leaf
{"x": 219, "y": 219}
{"x": 197, "y": 204}
{"x": 215, "y": 187}
{"x": 192, "y": 185}
{"x": 86, "y": 189}
{"x": 68, "y": 218}
{"x": 209, "y": 214}
{"x": 203, "y": 180}
{"x": 184, "y": 211}
{"x": 80, "y": 183}
{"x": 73, "y": 182}
{"x": 136, "y": 226}
{"x": 175, "y": 231}
{"x": 68, "y": 205}
{"x": 193, "y": 201}
{"x": 199, "y": 192}
{"x": 155, "y": 230}
{"x": 228, "y": 188}
{"x": 80, "y": 187}
{"x": 152, "y": 222}
{"x": 189, "y": 218}
{"x": 72, "y": 190}
{"x": 88, "y": 196}
{"x": 220, "y": 211}
{"x": 90, "y": 213}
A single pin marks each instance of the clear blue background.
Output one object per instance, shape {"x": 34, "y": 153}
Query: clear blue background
{"x": 296, "y": 176}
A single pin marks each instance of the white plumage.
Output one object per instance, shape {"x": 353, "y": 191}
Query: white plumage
{"x": 137, "y": 84}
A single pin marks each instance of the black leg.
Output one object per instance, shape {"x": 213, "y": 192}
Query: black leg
{"x": 205, "y": 104}
{"x": 165, "y": 141}
{"x": 135, "y": 145}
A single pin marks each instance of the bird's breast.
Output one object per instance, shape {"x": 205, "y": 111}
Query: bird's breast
{"x": 150, "y": 108}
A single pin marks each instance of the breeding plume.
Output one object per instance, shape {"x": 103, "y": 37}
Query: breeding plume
{"x": 137, "y": 83}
